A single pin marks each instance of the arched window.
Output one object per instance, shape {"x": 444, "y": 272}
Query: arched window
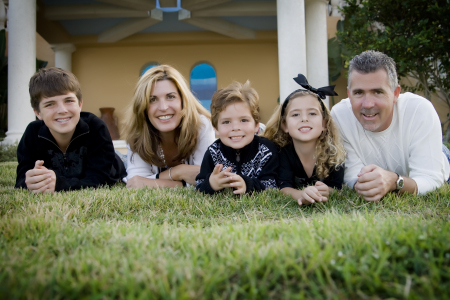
{"x": 203, "y": 83}
{"x": 147, "y": 66}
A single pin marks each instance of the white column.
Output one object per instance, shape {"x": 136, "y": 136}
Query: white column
{"x": 317, "y": 43}
{"x": 291, "y": 44}
{"x": 21, "y": 65}
{"x": 63, "y": 55}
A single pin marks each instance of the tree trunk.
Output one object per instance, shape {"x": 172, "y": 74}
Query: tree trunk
{"x": 446, "y": 138}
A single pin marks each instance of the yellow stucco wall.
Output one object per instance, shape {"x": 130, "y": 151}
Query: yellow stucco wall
{"x": 108, "y": 74}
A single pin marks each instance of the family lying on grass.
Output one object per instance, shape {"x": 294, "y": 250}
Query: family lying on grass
{"x": 389, "y": 141}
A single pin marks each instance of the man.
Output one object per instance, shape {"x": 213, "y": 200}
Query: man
{"x": 393, "y": 141}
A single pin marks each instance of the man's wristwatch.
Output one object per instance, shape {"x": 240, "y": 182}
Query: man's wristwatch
{"x": 400, "y": 182}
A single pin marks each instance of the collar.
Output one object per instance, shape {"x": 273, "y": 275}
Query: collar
{"x": 81, "y": 128}
{"x": 248, "y": 151}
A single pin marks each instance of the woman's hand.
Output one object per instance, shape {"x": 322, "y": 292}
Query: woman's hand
{"x": 182, "y": 172}
{"x": 138, "y": 182}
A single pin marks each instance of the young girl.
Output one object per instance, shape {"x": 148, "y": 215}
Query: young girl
{"x": 312, "y": 156}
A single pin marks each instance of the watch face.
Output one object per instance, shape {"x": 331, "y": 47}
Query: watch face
{"x": 400, "y": 183}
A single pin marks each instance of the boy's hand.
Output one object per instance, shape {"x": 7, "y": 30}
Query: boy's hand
{"x": 40, "y": 179}
{"x": 237, "y": 183}
{"x": 218, "y": 180}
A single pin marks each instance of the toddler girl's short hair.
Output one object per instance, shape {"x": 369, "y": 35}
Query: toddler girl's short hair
{"x": 50, "y": 82}
{"x": 235, "y": 92}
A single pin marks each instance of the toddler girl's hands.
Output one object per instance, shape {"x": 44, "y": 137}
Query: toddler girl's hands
{"x": 218, "y": 180}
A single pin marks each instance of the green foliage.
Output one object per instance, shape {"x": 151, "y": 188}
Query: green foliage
{"x": 8, "y": 152}
{"x": 415, "y": 33}
{"x": 336, "y": 54}
{"x": 179, "y": 244}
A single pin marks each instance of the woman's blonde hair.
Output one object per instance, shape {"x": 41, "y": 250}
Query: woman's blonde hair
{"x": 329, "y": 149}
{"x": 142, "y": 137}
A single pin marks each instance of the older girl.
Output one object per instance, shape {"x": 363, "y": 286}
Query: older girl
{"x": 312, "y": 156}
{"x": 167, "y": 131}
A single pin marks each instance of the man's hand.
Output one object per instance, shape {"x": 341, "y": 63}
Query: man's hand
{"x": 218, "y": 180}
{"x": 237, "y": 182}
{"x": 40, "y": 179}
{"x": 374, "y": 182}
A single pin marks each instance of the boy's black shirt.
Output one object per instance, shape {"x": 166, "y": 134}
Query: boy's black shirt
{"x": 257, "y": 164}
{"x": 89, "y": 161}
{"x": 292, "y": 174}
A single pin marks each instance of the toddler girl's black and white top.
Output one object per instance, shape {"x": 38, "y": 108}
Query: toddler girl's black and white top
{"x": 256, "y": 163}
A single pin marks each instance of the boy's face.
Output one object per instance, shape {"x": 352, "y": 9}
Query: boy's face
{"x": 236, "y": 127}
{"x": 61, "y": 114}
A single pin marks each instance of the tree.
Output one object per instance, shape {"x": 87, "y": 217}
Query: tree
{"x": 415, "y": 33}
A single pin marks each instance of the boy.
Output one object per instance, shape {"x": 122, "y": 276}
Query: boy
{"x": 238, "y": 159}
{"x": 66, "y": 149}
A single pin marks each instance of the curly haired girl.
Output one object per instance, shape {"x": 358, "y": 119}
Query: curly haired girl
{"x": 312, "y": 156}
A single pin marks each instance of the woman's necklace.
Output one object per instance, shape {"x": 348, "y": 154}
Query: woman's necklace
{"x": 162, "y": 157}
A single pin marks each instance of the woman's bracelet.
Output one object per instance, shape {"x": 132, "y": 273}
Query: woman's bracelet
{"x": 170, "y": 176}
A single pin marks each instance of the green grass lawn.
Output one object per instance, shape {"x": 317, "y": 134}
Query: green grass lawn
{"x": 179, "y": 244}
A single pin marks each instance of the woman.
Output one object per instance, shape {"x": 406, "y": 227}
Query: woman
{"x": 167, "y": 131}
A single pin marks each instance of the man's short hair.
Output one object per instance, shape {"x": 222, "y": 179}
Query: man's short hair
{"x": 50, "y": 82}
{"x": 235, "y": 92}
{"x": 371, "y": 61}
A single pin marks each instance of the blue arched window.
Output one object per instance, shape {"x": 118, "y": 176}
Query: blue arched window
{"x": 203, "y": 83}
{"x": 148, "y": 66}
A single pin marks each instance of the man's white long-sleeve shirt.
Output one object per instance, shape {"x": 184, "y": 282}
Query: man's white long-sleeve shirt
{"x": 410, "y": 146}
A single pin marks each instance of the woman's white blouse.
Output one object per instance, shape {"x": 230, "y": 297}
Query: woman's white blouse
{"x": 136, "y": 166}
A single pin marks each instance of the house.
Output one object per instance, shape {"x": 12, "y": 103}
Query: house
{"x": 107, "y": 44}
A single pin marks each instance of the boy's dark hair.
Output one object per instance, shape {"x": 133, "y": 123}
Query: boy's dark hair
{"x": 50, "y": 82}
{"x": 235, "y": 92}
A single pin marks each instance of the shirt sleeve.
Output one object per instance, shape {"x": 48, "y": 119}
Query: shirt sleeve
{"x": 426, "y": 160}
{"x": 336, "y": 177}
{"x": 136, "y": 166}
{"x": 285, "y": 173}
{"x": 26, "y": 156}
{"x": 202, "y": 178}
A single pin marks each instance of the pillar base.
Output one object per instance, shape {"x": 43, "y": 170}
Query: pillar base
{"x": 12, "y": 137}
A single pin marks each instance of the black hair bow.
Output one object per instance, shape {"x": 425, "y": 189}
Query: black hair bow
{"x": 321, "y": 92}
